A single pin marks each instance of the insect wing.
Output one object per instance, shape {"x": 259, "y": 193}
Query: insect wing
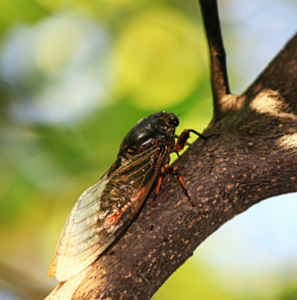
{"x": 103, "y": 212}
{"x": 78, "y": 245}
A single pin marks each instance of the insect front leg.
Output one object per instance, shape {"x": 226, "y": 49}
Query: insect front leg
{"x": 176, "y": 151}
{"x": 182, "y": 140}
{"x": 175, "y": 171}
{"x": 154, "y": 161}
{"x": 159, "y": 182}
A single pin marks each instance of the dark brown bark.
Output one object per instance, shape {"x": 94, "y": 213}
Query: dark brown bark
{"x": 253, "y": 158}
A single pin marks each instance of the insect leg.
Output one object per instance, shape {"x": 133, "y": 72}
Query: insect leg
{"x": 154, "y": 161}
{"x": 159, "y": 184}
{"x": 183, "y": 138}
{"x": 176, "y": 137}
{"x": 175, "y": 171}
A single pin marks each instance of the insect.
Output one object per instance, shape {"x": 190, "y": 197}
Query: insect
{"x": 106, "y": 209}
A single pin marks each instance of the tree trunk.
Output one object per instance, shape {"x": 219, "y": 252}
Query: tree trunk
{"x": 252, "y": 158}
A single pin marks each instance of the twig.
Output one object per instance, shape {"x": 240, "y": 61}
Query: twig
{"x": 219, "y": 76}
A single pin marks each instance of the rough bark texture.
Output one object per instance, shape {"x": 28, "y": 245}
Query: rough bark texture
{"x": 253, "y": 158}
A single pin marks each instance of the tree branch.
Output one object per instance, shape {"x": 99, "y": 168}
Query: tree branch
{"x": 253, "y": 158}
{"x": 219, "y": 75}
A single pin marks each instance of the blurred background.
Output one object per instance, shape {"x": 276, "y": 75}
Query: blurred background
{"x": 75, "y": 76}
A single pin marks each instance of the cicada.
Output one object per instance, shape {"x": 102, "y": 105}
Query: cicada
{"x": 106, "y": 209}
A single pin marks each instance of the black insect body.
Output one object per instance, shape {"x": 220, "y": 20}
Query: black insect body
{"x": 107, "y": 208}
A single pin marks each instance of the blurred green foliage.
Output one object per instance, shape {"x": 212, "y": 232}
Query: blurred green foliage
{"x": 75, "y": 76}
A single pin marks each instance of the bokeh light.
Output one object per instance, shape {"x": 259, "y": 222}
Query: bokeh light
{"x": 157, "y": 59}
{"x": 57, "y": 70}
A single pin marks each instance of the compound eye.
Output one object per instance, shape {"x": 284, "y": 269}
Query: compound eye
{"x": 175, "y": 121}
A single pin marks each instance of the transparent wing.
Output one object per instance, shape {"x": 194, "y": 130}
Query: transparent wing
{"x": 79, "y": 244}
{"x": 101, "y": 213}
